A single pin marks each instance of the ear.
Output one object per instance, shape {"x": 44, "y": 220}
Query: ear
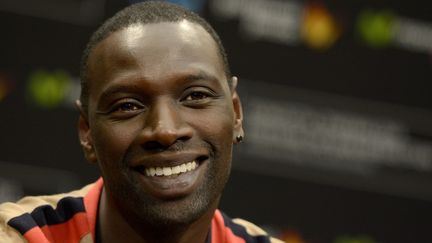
{"x": 238, "y": 112}
{"x": 84, "y": 135}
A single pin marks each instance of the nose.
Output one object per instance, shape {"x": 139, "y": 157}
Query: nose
{"x": 164, "y": 126}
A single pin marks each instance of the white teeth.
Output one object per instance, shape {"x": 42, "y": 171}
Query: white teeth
{"x": 159, "y": 171}
{"x": 152, "y": 171}
{"x": 167, "y": 171}
{"x": 183, "y": 168}
{"x": 175, "y": 170}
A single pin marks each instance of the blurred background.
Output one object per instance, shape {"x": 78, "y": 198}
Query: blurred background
{"x": 337, "y": 102}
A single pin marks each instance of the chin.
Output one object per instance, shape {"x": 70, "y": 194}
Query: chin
{"x": 179, "y": 212}
{"x": 139, "y": 208}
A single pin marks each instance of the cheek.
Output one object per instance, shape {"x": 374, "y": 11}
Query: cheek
{"x": 111, "y": 141}
{"x": 216, "y": 126}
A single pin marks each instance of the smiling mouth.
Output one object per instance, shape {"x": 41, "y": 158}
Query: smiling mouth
{"x": 169, "y": 171}
{"x": 171, "y": 176}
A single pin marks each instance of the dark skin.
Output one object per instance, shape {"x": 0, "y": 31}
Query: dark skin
{"x": 159, "y": 100}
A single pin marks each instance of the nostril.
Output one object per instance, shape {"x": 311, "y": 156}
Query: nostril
{"x": 184, "y": 138}
{"x": 154, "y": 146}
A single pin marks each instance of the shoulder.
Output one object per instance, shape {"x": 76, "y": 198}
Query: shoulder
{"x": 30, "y": 204}
{"x": 253, "y": 229}
{"x": 8, "y": 234}
{"x": 16, "y": 219}
{"x": 238, "y": 230}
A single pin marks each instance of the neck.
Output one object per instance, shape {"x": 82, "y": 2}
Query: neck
{"x": 113, "y": 227}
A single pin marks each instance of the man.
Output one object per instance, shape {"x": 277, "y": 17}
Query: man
{"x": 159, "y": 115}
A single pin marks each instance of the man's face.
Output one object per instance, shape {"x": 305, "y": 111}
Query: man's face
{"x": 161, "y": 121}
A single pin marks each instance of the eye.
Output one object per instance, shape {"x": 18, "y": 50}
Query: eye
{"x": 127, "y": 106}
{"x": 196, "y": 95}
{"x": 199, "y": 97}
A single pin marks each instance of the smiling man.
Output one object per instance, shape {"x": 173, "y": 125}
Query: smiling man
{"x": 159, "y": 115}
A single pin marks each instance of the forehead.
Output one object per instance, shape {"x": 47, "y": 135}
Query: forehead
{"x": 156, "y": 50}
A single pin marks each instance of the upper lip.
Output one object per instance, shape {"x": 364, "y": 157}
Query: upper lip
{"x": 167, "y": 159}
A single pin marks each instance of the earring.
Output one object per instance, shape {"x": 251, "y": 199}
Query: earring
{"x": 239, "y": 138}
{"x": 86, "y": 146}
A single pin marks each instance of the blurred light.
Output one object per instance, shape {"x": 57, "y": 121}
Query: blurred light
{"x": 51, "y": 89}
{"x": 292, "y": 236}
{"x": 376, "y": 28}
{"x": 5, "y": 86}
{"x": 319, "y": 29}
{"x": 380, "y": 29}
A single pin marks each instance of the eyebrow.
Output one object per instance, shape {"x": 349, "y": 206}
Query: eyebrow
{"x": 127, "y": 88}
{"x": 201, "y": 75}
{"x": 121, "y": 88}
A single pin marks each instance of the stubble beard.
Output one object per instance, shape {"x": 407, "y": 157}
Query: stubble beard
{"x": 160, "y": 215}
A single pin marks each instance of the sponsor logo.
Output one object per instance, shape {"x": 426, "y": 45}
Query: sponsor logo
{"x": 294, "y": 23}
{"x": 273, "y": 20}
{"x": 284, "y": 22}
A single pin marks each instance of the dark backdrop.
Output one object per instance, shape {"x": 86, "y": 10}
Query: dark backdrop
{"x": 337, "y": 111}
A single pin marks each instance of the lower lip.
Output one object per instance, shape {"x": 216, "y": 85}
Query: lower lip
{"x": 171, "y": 187}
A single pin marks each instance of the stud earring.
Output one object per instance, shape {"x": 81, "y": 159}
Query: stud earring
{"x": 86, "y": 145}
